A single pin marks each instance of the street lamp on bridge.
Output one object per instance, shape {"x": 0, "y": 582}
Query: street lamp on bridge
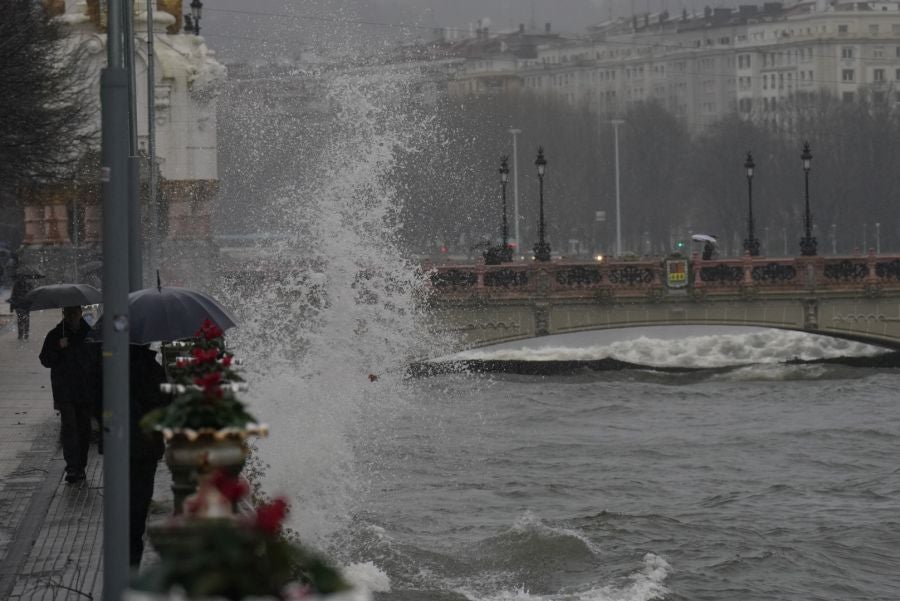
{"x": 503, "y": 253}
{"x": 751, "y": 243}
{"x": 808, "y": 242}
{"x": 192, "y": 20}
{"x": 541, "y": 249}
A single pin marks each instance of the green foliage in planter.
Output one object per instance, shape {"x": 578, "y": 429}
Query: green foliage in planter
{"x": 195, "y": 409}
{"x": 209, "y": 400}
{"x": 233, "y": 559}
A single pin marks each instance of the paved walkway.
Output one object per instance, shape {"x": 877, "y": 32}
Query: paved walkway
{"x": 50, "y": 532}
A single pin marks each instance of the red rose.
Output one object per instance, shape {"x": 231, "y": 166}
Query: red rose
{"x": 231, "y": 488}
{"x": 208, "y": 330}
{"x": 270, "y": 515}
{"x": 209, "y": 381}
{"x": 227, "y": 360}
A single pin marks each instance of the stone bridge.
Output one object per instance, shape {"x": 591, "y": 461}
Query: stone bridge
{"x": 854, "y": 297}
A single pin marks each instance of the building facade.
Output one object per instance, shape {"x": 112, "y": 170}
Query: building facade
{"x": 63, "y": 219}
{"x": 702, "y": 67}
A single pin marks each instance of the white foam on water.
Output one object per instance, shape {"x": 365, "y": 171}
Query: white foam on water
{"x": 366, "y": 577}
{"x": 774, "y": 373}
{"x": 646, "y": 584}
{"x": 765, "y": 346}
{"x": 529, "y": 521}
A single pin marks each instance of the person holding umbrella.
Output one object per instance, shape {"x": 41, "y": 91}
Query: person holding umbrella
{"x": 74, "y": 377}
{"x": 23, "y": 283}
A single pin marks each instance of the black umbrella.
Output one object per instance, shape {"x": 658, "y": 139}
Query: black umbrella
{"x": 56, "y": 296}
{"x": 163, "y": 314}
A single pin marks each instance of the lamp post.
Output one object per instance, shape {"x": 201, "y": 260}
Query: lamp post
{"x": 515, "y": 132}
{"x": 192, "y": 21}
{"x": 877, "y": 237}
{"x": 541, "y": 249}
{"x": 495, "y": 255}
{"x": 616, "y": 123}
{"x": 506, "y": 250}
{"x": 808, "y": 242}
{"x": 834, "y": 238}
{"x": 751, "y": 243}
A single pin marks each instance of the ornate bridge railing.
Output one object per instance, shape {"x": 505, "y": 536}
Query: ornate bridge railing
{"x": 658, "y": 277}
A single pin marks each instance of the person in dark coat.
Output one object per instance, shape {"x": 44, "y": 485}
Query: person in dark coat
{"x": 21, "y": 287}
{"x": 146, "y": 449}
{"x": 74, "y": 366}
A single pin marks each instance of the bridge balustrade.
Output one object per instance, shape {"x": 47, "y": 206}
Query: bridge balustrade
{"x": 648, "y": 277}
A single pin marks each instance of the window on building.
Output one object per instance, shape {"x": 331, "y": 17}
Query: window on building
{"x": 843, "y": 29}
{"x": 873, "y": 29}
{"x": 878, "y": 52}
{"x": 765, "y": 83}
{"x": 847, "y": 75}
{"x": 878, "y": 75}
{"x": 847, "y": 52}
{"x": 897, "y": 75}
{"x": 895, "y": 28}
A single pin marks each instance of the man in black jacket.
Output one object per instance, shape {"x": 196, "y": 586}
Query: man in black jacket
{"x": 74, "y": 367}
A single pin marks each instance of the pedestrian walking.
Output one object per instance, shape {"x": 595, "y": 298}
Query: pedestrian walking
{"x": 74, "y": 377}
{"x": 21, "y": 286}
{"x": 146, "y": 449}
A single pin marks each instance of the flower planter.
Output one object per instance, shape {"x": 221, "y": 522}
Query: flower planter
{"x": 191, "y": 454}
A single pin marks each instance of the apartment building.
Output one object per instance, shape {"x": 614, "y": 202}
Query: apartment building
{"x": 702, "y": 67}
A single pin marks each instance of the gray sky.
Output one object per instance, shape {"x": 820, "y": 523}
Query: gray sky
{"x": 242, "y": 28}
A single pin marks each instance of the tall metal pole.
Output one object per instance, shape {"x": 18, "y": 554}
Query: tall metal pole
{"x": 75, "y": 241}
{"x": 541, "y": 249}
{"x": 751, "y": 244}
{"x": 151, "y": 140}
{"x": 114, "y": 179}
{"x": 877, "y": 237}
{"x": 504, "y": 177}
{"x": 515, "y": 132}
{"x": 616, "y": 123}
{"x": 134, "y": 165}
{"x": 808, "y": 243}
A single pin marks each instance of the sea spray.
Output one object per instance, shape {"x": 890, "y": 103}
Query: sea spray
{"x": 327, "y": 339}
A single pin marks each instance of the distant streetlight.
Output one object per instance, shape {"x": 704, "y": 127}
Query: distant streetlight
{"x": 808, "y": 243}
{"x": 541, "y": 249}
{"x": 503, "y": 253}
{"x": 877, "y": 237}
{"x": 515, "y": 132}
{"x": 751, "y": 244}
{"x": 833, "y": 238}
{"x": 192, "y": 21}
{"x": 616, "y": 123}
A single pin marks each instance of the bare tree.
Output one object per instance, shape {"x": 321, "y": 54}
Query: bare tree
{"x": 47, "y": 113}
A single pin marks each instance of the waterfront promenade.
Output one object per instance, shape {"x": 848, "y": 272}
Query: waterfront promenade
{"x": 51, "y": 532}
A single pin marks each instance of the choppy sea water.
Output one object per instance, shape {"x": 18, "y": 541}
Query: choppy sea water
{"x": 746, "y": 477}
{"x": 769, "y": 481}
